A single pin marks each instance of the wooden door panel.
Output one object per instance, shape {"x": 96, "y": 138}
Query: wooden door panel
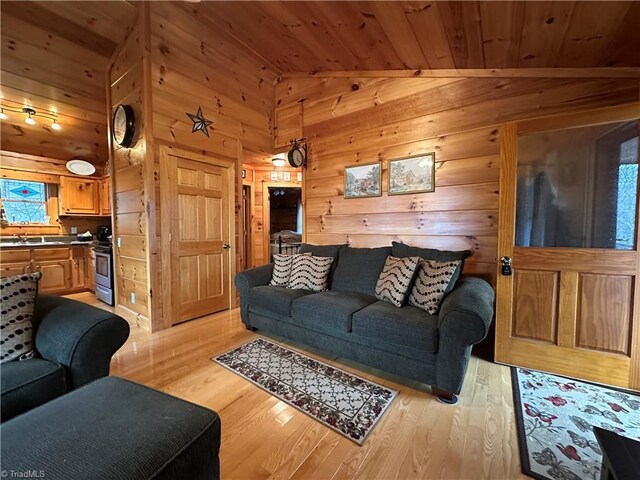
{"x": 213, "y": 181}
{"x": 213, "y": 228}
{"x": 213, "y": 265}
{"x": 535, "y": 306}
{"x": 604, "y": 316}
{"x": 188, "y": 214}
{"x": 189, "y": 278}
{"x": 187, "y": 177}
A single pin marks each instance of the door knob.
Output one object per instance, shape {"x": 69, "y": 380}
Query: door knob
{"x": 226, "y": 246}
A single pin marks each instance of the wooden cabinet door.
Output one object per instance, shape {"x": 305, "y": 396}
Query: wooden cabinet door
{"x": 569, "y": 225}
{"x": 78, "y": 268}
{"x": 11, "y": 269}
{"x": 105, "y": 196}
{"x": 56, "y": 276}
{"x": 78, "y": 196}
{"x": 91, "y": 270}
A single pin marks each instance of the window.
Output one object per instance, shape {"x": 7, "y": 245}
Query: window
{"x": 24, "y": 202}
{"x": 627, "y": 185}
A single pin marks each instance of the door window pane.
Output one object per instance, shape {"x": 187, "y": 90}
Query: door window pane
{"x": 578, "y": 187}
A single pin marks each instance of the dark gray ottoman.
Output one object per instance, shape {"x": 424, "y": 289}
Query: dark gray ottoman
{"x": 113, "y": 429}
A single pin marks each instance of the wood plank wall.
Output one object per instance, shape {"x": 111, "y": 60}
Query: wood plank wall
{"x": 131, "y": 247}
{"x": 360, "y": 120}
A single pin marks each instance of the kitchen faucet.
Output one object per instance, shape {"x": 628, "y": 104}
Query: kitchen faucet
{"x": 22, "y": 238}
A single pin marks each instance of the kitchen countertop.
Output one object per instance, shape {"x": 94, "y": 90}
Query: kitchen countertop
{"x": 17, "y": 246}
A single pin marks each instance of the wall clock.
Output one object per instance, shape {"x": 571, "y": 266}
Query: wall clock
{"x": 124, "y": 125}
{"x": 297, "y": 156}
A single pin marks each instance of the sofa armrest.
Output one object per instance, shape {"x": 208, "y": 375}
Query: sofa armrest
{"x": 464, "y": 320}
{"x": 248, "y": 279}
{"x": 79, "y": 336}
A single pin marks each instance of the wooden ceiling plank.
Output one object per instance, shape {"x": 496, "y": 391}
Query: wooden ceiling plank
{"x": 462, "y": 23}
{"x": 111, "y": 20}
{"x": 624, "y": 50}
{"x": 20, "y": 97}
{"x": 22, "y": 32}
{"x": 68, "y": 96}
{"x": 543, "y": 32}
{"x": 429, "y": 30}
{"x": 60, "y": 26}
{"x": 501, "y": 32}
{"x": 398, "y": 30}
{"x": 597, "y": 72}
{"x": 592, "y": 28}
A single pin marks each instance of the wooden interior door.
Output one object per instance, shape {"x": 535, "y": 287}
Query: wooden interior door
{"x": 196, "y": 196}
{"x": 569, "y": 225}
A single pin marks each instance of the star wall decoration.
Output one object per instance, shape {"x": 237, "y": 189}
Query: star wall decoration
{"x": 199, "y": 122}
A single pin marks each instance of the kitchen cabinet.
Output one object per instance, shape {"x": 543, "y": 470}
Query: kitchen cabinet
{"x": 104, "y": 196}
{"x": 64, "y": 269}
{"x": 78, "y": 196}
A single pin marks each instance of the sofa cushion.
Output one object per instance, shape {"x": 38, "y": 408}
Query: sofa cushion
{"x": 281, "y": 270}
{"x": 395, "y": 279}
{"x": 431, "y": 283}
{"x": 358, "y": 269}
{"x": 310, "y": 273}
{"x": 402, "y": 250}
{"x": 324, "y": 251}
{"x": 28, "y": 384}
{"x": 268, "y": 299}
{"x": 17, "y": 302}
{"x": 401, "y": 327}
{"x": 328, "y": 310}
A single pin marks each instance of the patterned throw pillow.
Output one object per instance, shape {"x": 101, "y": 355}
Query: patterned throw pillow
{"x": 393, "y": 282}
{"x": 310, "y": 273}
{"x": 431, "y": 284}
{"x": 18, "y": 296}
{"x": 282, "y": 269}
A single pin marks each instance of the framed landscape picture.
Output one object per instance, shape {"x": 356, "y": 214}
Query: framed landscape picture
{"x": 362, "y": 181}
{"x": 412, "y": 174}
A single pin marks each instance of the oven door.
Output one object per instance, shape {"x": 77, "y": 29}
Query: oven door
{"x": 103, "y": 269}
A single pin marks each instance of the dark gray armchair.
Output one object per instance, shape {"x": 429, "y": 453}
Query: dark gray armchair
{"x": 74, "y": 343}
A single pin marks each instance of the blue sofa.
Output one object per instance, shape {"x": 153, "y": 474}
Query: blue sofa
{"x": 74, "y": 344}
{"x": 348, "y": 321}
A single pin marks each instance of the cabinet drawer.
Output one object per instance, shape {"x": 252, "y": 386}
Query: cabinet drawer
{"x": 11, "y": 269}
{"x": 51, "y": 254}
{"x": 78, "y": 252}
{"x": 11, "y": 256}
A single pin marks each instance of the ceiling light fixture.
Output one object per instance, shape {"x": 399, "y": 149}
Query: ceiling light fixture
{"x": 29, "y": 111}
{"x": 3, "y": 115}
{"x": 55, "y": 125}
{"x": 278, "y": 160}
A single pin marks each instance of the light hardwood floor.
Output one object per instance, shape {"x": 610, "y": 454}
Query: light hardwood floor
{"x": 263, "y": 437}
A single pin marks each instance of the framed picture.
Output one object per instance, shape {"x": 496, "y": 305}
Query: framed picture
{"x": 412, "y": 174}
{"x": 361, "y": 181}
{"x": 274, "y": 176}
{"x": 287, "y": 176}
{"x": 244, "y": 173}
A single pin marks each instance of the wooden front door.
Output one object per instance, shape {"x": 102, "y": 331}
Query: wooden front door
{"x": 568, "y": 224}
{"x": 196, "y": 196}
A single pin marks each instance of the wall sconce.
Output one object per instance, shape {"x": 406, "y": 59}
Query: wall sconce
{"x": 278, "y": 160}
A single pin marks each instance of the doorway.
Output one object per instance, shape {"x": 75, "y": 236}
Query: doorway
{"x": 247, "y": 227}
{"x": 197, "y": 214}
{"x": 283, "y": 219}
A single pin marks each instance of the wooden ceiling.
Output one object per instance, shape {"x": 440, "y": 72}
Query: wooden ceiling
{"x": 54, "y": 58}
{"x": 329, "y": 35}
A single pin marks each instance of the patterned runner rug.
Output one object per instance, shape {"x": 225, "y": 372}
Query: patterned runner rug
{"x": 555, "y": 417}
{"x": 344, "y": 402}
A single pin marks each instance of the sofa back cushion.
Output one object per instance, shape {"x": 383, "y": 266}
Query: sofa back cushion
{"x": 402, "y": 250}
{"x": 324, "y": 251}
{"x": 358, "y": 269}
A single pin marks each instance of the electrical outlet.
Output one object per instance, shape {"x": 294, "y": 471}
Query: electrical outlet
{"x": 119, "y": 242}
{"x": 133, "y": 297}
{"x": 74, "y": 230}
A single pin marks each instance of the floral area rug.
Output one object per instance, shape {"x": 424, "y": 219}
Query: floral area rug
{"x": 344, "y": 402}
{"x": 555, "y": 419}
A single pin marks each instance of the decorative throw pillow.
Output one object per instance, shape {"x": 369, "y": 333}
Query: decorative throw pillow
{"x": 431, "y": 284}
{"x": 18, "y": 296}
{"x": 393, "y": 282}
{"x": 282, "y": 269}
{"x": 310, "y": 273}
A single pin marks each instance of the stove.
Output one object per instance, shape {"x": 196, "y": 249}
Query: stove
{"x": 103, "y": 252}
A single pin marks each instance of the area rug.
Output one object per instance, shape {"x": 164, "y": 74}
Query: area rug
{"x": 555, "y": 417}
{"x": 342, "y": 401}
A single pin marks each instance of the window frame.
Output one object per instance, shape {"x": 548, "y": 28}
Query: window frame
{"x": 47, "y": 203}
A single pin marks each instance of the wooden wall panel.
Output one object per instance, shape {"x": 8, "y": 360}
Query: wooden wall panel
{"x": 605, "y": 307}
{"x": 352, "y": 120}
{"x": 535, "y": 308}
